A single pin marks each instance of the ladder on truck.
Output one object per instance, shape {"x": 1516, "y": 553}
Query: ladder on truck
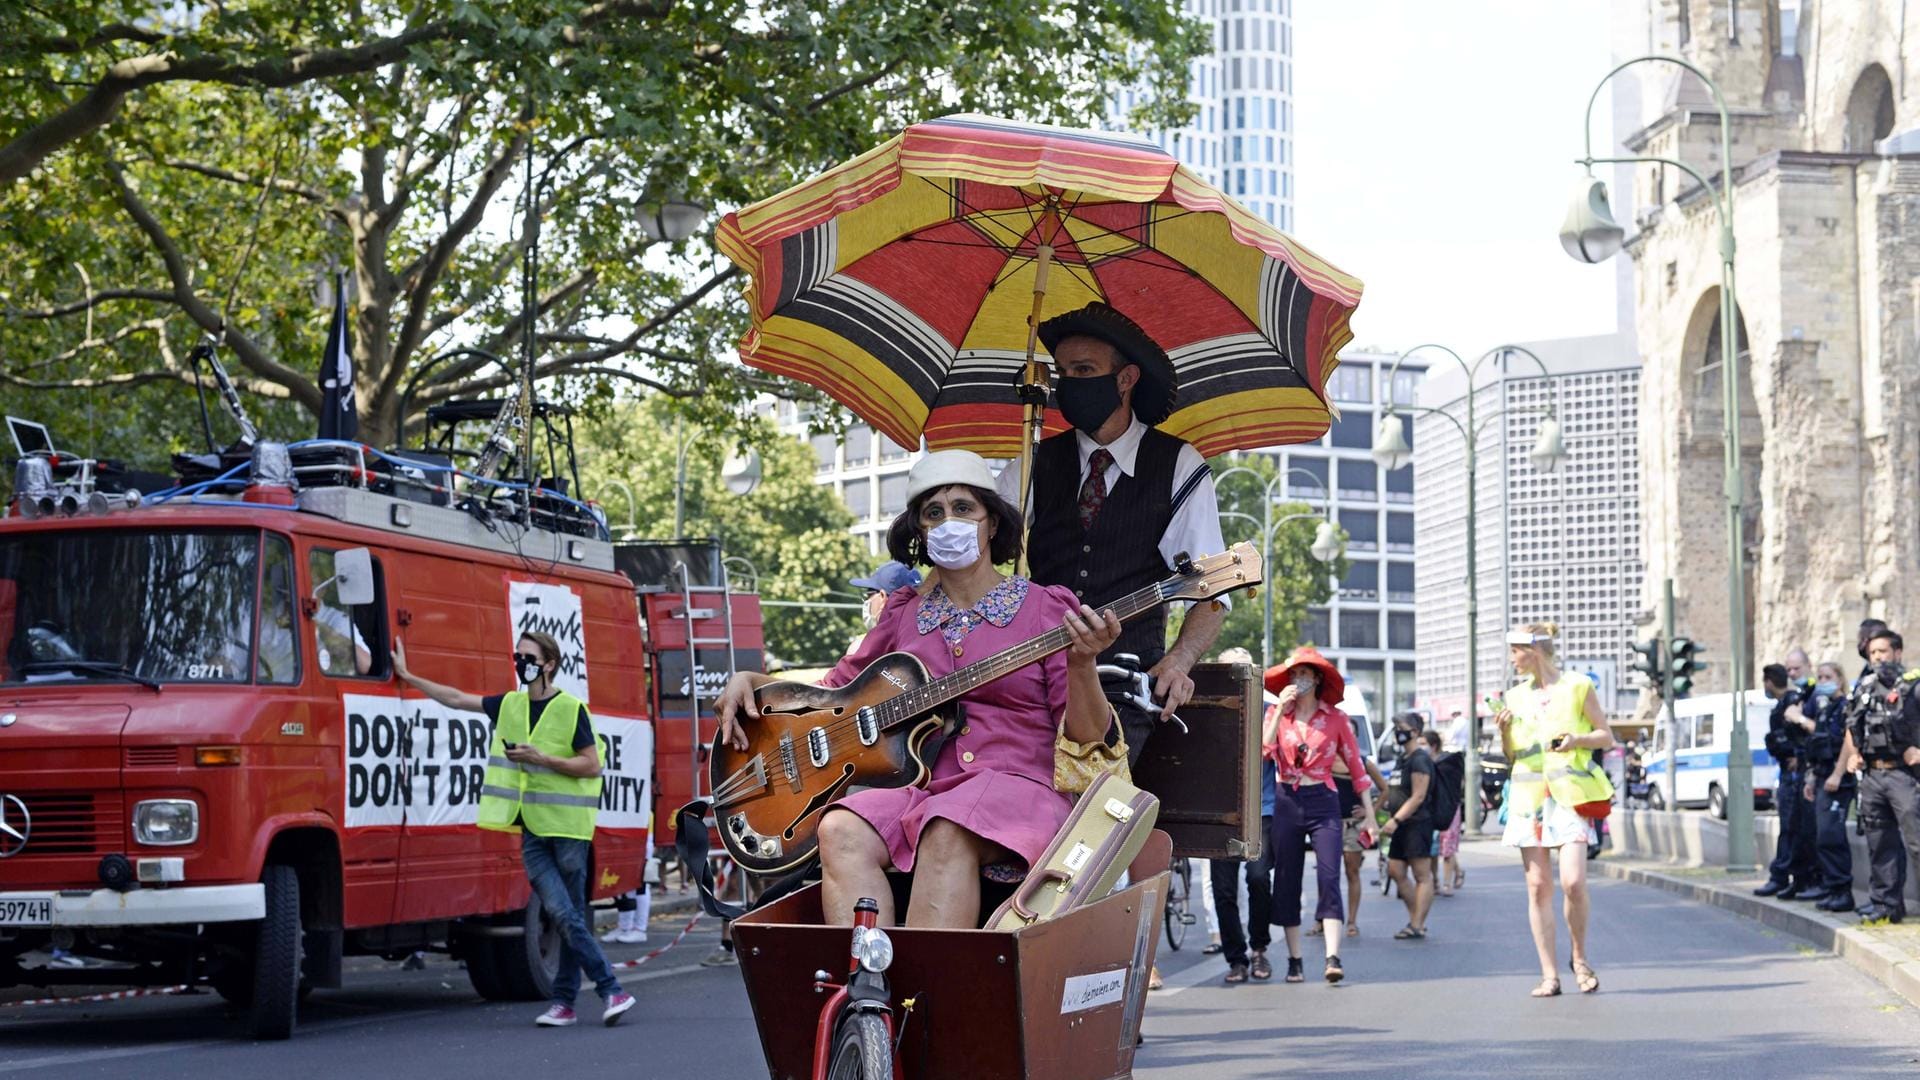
{"x": 691, "y": 614}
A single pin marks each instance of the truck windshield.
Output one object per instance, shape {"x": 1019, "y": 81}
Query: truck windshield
{"x": 100, "y": 605}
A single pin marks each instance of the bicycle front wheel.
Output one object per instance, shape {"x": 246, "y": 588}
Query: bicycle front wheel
{"x": 1179, "y": 895}
{"x": 863, "y": 1051}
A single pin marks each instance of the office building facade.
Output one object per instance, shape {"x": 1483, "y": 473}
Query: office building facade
{"x": 1241, "y": 138}
{"x": 1560, "y": 546}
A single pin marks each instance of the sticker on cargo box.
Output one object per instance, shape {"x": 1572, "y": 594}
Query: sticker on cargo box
{"x": 1083, "y": 992}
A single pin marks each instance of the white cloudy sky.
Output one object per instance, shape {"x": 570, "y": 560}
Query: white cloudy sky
{"x": 1435, "y": 147}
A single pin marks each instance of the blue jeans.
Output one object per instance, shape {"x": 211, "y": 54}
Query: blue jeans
{"x": 557, "y": 867}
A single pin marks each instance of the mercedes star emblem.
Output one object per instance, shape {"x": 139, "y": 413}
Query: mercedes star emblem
{"x": 13, "y": 840}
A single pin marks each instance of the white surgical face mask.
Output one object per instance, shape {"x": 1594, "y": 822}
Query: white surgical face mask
{"x": 955, "y": 544}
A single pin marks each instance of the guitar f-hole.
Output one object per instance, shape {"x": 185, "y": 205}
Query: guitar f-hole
{"x": 820, "y": 800}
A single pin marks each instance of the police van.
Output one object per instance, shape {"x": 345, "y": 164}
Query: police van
{"x": 1702, "y": 729}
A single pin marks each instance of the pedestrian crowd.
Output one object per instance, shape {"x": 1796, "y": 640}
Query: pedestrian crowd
{"x": 1317, "y": 796}
{"x": 1837, "y": 743}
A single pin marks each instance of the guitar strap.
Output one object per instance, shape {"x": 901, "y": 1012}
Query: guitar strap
{"x": 690, "y": 843}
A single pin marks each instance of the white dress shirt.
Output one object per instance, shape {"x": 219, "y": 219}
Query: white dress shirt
{"x": 1195, "y": 528}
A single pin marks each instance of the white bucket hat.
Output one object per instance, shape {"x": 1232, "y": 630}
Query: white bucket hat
{"x": 945, "y": 468}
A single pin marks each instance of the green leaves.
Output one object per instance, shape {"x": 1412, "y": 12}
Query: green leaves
{"x": 390, "y": 165}
{"x": 791, "y": 532}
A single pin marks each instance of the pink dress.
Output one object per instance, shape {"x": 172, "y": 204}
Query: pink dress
{"x": 994, "y": 776}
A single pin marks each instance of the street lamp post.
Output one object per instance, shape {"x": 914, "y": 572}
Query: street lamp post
{"x": 1391, "y": 451}
{"x": 1325, "y": 548}
{"x": 1591, "y": 235}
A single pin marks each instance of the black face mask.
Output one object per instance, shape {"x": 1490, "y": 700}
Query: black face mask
{"x": 527, "y": 668}
{"x": 1087, "y": 402}
{"x": 1403, "y": 736}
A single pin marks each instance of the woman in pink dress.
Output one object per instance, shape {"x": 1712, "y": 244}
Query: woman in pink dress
{"x": 991, "y": 797}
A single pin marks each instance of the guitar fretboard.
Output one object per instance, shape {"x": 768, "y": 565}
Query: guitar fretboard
{"x": 903, "y": 707}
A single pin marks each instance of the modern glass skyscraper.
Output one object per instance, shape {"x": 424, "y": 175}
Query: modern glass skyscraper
{"x": 1242, "y": 139}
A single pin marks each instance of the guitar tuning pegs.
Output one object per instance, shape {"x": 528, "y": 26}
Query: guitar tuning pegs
{"x": 1253, "y": 593}
{"x": 1183, "y": 565}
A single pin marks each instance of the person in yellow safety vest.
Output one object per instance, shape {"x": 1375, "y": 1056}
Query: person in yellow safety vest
{"x": 543, "y": 781}
{"x": 1553, "y": 729}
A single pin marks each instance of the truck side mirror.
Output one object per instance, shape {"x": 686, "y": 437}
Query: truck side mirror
{"x": 352, "y": 577}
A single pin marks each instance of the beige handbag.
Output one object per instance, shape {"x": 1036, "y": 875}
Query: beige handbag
{"x": 1076, "y": 765}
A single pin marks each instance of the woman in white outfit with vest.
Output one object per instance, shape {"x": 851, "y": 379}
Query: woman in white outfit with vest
{"x": 1553, "y": 728}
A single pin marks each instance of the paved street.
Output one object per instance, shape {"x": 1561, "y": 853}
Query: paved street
{"x": 1689, "y": 991}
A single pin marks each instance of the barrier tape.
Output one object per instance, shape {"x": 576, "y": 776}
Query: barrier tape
{"x": 87, "y": 999}
{"x": 677, "y": 938}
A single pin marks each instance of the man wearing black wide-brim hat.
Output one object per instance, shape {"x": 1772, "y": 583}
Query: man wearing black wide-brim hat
{"x": 1116, "y": 500}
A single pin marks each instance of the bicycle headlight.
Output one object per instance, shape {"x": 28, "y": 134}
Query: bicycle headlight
{"x": 874, "y": 950}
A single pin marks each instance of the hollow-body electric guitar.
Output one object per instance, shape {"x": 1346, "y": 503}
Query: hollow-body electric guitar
{"x": 812, "y": 745}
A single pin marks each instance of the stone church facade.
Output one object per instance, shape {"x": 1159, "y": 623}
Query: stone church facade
{"x": 1825, "y": 104}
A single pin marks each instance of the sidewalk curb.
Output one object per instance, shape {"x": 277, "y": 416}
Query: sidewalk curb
{"x": 1884, "y": 964}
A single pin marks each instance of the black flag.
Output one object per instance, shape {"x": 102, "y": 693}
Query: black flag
{"x": 339, "y": 416}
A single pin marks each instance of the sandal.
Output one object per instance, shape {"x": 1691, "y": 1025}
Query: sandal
{"x": 1353, "y": 929}
{"x": 1408, "y": 933}
{"x": 1585, "y": 976}
{"x": 1549, "y": 987}
{"x": 1262, "y": 968}
{"x": 1154, "y": 981}
{"x": 1314, "y": 930}
{"x": 1296, "y": 970}
{"x": 1213, "y": 949}
{"x": 1236, "y": 973}
{"x": 1334, "y": 971}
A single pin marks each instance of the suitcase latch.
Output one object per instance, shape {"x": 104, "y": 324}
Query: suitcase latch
{"x": 1119, "y": 811}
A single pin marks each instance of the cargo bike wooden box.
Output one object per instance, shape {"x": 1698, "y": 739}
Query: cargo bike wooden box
{"x": 1063, "y": 998}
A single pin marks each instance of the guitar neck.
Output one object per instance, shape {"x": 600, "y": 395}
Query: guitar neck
{"x": 903, "y": 707}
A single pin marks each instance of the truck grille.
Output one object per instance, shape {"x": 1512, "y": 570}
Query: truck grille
{"x": 150, "y": 756}
{"x": 72, "y": 823}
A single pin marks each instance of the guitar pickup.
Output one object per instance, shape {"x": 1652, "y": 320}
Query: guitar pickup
{"x": 817, "y": 750}
{"x": 868, "y": 725}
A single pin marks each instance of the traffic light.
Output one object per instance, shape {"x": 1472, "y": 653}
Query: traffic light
{"x": 1685, "y": 665}
{"x": 1647, "y": 663}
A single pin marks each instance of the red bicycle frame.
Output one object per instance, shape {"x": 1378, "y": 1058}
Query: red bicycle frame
{"x": 866, "y": 915}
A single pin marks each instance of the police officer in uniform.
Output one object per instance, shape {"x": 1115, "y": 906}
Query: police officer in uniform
{"x": 1883, "y": 741}
{"x": 1115, "y": 501}
{"x": 1829, "y": 789}
{"x": 1794, "y": 873}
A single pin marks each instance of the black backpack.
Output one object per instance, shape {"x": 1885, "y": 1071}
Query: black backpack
{"x": 1444, "y": 793}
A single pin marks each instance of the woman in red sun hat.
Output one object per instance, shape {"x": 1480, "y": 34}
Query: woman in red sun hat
{"x": 1304, "y": 734}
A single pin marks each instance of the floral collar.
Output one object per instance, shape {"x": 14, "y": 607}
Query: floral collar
{"x": 939, "y": 612}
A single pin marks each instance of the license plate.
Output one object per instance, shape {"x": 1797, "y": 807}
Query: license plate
{"x": 27, "y": 911}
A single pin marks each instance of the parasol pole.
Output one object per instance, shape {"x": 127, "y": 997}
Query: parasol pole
{"x": 1033, "y": 388}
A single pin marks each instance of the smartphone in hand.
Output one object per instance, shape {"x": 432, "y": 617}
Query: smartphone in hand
{"x": 509, "y": 745}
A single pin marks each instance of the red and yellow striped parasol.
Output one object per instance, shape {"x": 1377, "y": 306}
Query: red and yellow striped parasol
{"x": 902, "y": 283}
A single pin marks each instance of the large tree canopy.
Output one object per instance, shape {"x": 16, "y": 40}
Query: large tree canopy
{"x": 171, "y": 170}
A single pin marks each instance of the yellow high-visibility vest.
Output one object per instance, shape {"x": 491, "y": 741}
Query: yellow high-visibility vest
{"x": 547, "y": 802}
{"x": 1572, "y": 777}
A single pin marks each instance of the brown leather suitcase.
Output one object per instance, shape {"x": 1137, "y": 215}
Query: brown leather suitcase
{"x": 1109, "y": 825}
{"x": 1208, "y": 777}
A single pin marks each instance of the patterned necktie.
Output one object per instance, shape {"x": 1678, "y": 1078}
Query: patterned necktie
{"x": 1093, "y": 490}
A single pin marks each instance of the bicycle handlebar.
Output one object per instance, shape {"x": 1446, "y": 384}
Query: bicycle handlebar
{"x": 1141, "y": 695}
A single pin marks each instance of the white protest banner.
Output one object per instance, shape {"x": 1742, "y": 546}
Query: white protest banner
{"x": 552, "y": 609}
{"x": 414, "y": 761}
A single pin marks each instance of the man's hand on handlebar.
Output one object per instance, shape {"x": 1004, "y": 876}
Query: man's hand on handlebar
{"x": 1171, "y": 683}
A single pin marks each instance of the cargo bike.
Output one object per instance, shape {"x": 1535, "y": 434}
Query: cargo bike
{"x": 1061, "y": 997}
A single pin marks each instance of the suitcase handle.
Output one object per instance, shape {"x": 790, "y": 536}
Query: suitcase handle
{"x": 1030, "y": 886}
